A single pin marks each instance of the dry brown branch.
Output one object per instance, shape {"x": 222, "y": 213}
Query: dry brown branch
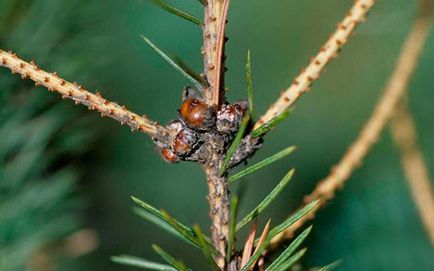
{"x": 329, "y": 51}
{"x": 394, "y": 91}
{"x": 405, "y": 137}
{"x": 78, "y": 94}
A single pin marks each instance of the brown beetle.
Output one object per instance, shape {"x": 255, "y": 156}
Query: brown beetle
{"x": 229, "y": 118}
{"x": 197, "y": 115}
{"x": 184, "y": 142}
{"x": 169, "y": 156}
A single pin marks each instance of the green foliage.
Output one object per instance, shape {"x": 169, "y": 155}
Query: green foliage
{"x": 293, "y": 259}
{"x": 266, "y": 127}
{"x": 267, "y": 161}
{"x": 203, "y": 2}
{"x": 330, "y": 266}
{"x": 178, "y": 265}
{"x": 234, "y": 145}
{"x": 176, "y": 11}
{"x": 175, "y": 65}
{"x": 195, "y": 236}
{"x": 232, "y": 226}
{"x": 250, "y": 85}
{"x": 40, "y": 138}
{"x": 190, "y": 71}
{"x": 167, "y": 222}
{"x": 292, "y": 219}
{"x": 286, "y": 254}
{"x": 287, "y": 223}
{"x": 267, "y": 201}
{"x": 206, "y": 251}
{"x": 138, "y": 262}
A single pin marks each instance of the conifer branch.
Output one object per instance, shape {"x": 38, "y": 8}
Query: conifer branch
{"x": 405, "y": 136}
{"x": 80, "y": 95}
{"x": 328, "y": 52}
{"x": 393, "y": 93}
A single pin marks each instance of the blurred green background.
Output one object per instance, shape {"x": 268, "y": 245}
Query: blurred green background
{"x": 371, "y": 225}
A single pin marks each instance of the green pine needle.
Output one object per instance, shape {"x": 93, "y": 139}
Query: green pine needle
{"x": 190, "y": 71}
{"x": 164, "y": 220}
{"x": 267, "y": 201}
{"x": 234, "y": 146}
{"x": 233, "y": 222}
{"x": 267, "y": 161}
{"x": 293, "y": 259}
{"x": 160, "y": 223}
{"x": 206, "y": 252}
{"x": 281, "y": 260}
{"x": 192, "y": 237}
{"x": 330, "y": 266}
{"x": 176, "y": 11}
{"x": 178, "y": 265}
{"x": 141, "y": 263}
{"x": 152, "y": 210}
{"x": 292, "y": 219}
{"x": 173, "y": 63}
{"x": 249, "y": 84}
{"x": 266, "y": 127}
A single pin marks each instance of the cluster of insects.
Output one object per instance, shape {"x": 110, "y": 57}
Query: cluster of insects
{"x": 201, "y": 128}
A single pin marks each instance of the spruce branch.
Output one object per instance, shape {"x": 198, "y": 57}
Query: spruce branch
{"x": 383, "y": 112}
{"x": 79, "y": 95}
{"x": 415, "y": 169}
{"x": 328, "y": 52}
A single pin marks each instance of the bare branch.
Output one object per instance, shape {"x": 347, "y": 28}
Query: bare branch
{"x": 416, "y": 172}
{"x": 393, "y": 93}
{"x": 329, "y": 51}
{"x": 78, "y": 94}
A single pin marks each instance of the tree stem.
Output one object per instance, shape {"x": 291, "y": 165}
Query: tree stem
{"x": 214, "y": 24}
{"x": 213, "y": 49}
{"x": 218, "y": 197}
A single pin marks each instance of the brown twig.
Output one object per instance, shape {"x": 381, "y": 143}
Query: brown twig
{"x": 394, "y": 91}
{"x": 218, "y": 197}
{"x": 213, "y": 49}
{"x": 213, "y": 55}
{"x": 329, "y": 51}
{"x": 416, "y": 172}
{"x": 78, "y": 94}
